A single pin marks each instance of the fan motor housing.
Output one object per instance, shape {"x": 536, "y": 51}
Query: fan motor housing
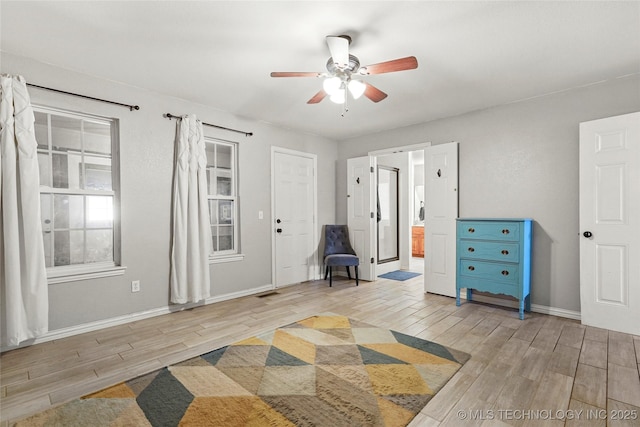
{"x": 354, "y": 65}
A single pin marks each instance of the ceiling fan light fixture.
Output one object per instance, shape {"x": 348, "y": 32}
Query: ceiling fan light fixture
{"x": 331, "y": 85}
{"x": 339, "y": 96}
{"x": 357, "y": 88}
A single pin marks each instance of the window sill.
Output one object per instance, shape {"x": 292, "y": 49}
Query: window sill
{"x": 220, "y": 259}
{"x": 73, "y": 274}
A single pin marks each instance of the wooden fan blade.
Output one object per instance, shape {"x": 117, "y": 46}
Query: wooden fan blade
{"x": 408, "y": 63}
{"x": 339, "y": 48}
{"x": 317, "y": 97}
{"x": 294, "y": 74}
{"x": 373, "y": 93}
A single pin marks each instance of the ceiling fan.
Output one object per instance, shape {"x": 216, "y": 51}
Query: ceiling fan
{"x": 344, "y": 72}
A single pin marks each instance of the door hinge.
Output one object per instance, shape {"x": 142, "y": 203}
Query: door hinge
{"x": 372, "y": 260}
{"x": 371, "y": 214}
{"x": 371, "y": 167}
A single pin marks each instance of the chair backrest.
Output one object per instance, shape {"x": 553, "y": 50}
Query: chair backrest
{"x": 336, "y": 240}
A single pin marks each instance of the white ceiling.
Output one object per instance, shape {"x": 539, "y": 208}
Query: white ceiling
{"x": 471, "y": 55}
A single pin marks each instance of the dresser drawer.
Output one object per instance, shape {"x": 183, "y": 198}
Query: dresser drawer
{"x": 493, "y": 251}
{"x": 490, "y": 230}
{"x": 495, "y": 271}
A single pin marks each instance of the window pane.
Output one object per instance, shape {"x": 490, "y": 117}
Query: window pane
{"x": 210, "y": 148}
{"x": 213, "y": 211}
{"x": 225, "y": 211}
{"x": 65, "y": 133}
{"x": 97, "y": 173}
{"x": 45, "y": 211}
{"x": 99, "y": 245}
{"x": 41, "y": 128}
{"x": 214, "y": 237}
{"x": 211, "y": 180}
{"x": 44, "y": 168}
{"x": 68, "y": 211}
{"x": 66, "y": 170}
{"x": 76, "y": 246}
{"x": 61, "y": 211}
{"x": 225, "y": 238}
{"x": 97, "y": 138}
{"x": 45, "y": 215}
{"x": 99, "y": 211}
{"x": 223, "y": 156}
{"x": 68, "y": 247}
{"x": 46, "y": 238}
{"x": 223, "y": 183}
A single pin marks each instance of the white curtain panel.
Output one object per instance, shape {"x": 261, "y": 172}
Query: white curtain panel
{"x": 25, "y": 298}
{"x": 191, "y": 240}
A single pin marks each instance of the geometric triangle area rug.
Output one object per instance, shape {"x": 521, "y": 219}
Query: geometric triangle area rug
{"x": 325, "y": 370}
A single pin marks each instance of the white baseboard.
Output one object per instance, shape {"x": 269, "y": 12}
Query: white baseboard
{"x": 536, "y": 308}
{"x": 120, "y": 320}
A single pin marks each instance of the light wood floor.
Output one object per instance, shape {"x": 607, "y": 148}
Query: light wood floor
{"x": 519, "y": 370}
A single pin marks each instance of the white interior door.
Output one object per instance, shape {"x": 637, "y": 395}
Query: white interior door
{"x": 293, "y": 205}
{"x": 440, "y": 213}
{"x": 361, "y": 212}
{"x": 610, "y": 223}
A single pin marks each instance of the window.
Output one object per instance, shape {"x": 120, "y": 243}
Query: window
{"x": 223, "y": 200}
{"x": 78, "y": 191}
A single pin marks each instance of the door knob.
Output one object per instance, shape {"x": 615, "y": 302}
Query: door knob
{"x": 278, "y": 221}
{"x": 278, "y": 230}
{"x": 587, "y": 234}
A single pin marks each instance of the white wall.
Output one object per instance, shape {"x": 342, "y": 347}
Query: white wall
{"x": 146, "y": 153}
{"x": 519, "y": 160}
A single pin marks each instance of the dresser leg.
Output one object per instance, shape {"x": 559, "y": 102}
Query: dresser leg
{"x": 458, "y": 297}
{"x": 469, "y": 294}
{"x": 522, "y": 309}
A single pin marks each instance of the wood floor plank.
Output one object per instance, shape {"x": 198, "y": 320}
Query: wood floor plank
{"x": 564, "y": 360}
{"x": 572, "y": 336}
{"x": 622, "y": 414}
{"x": 553, "y": 394}
{"x": 585, "y": 415}
{"x": 590, "y": 386}
{"x": 621, "y": 350}
{"x": 596, "y": 334}
{"x": 594, "y": 353}
{"x": 623, "y": 384}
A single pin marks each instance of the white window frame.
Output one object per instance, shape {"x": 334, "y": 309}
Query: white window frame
{"x": 93, "y": 270}
{"x": 217, "y": 257}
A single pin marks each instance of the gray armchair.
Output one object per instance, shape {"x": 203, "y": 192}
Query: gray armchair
{"x": 338, "y": 251}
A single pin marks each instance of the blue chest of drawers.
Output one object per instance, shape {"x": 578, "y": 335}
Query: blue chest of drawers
{"x": 494, "y": 255}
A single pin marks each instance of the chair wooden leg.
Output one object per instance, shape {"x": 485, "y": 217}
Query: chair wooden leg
{"x": 330, "y": 276}
{"x": 356, "y": 267}
{"x": 348, "y": 272}
{"x": 326, "y": 272}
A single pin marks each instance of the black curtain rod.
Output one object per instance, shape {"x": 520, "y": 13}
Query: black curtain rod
{"x": 171, "y": 116}
{"x": 130, "y": 107}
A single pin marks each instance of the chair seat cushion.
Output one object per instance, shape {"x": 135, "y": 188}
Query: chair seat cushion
{"x": 341, "y": 259}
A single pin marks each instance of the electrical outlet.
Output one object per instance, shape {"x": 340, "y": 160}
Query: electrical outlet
{"x": 135, "y": 286}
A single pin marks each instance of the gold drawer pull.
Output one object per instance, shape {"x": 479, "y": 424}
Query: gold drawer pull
{"x": 505, "y": 273}
{"x": 505, "y": 252}
{"x": 471, "y": 250}
{"x": 505, "y": 231}
{"x": 472, "y": 230}
{"x": 471, "y": 267}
